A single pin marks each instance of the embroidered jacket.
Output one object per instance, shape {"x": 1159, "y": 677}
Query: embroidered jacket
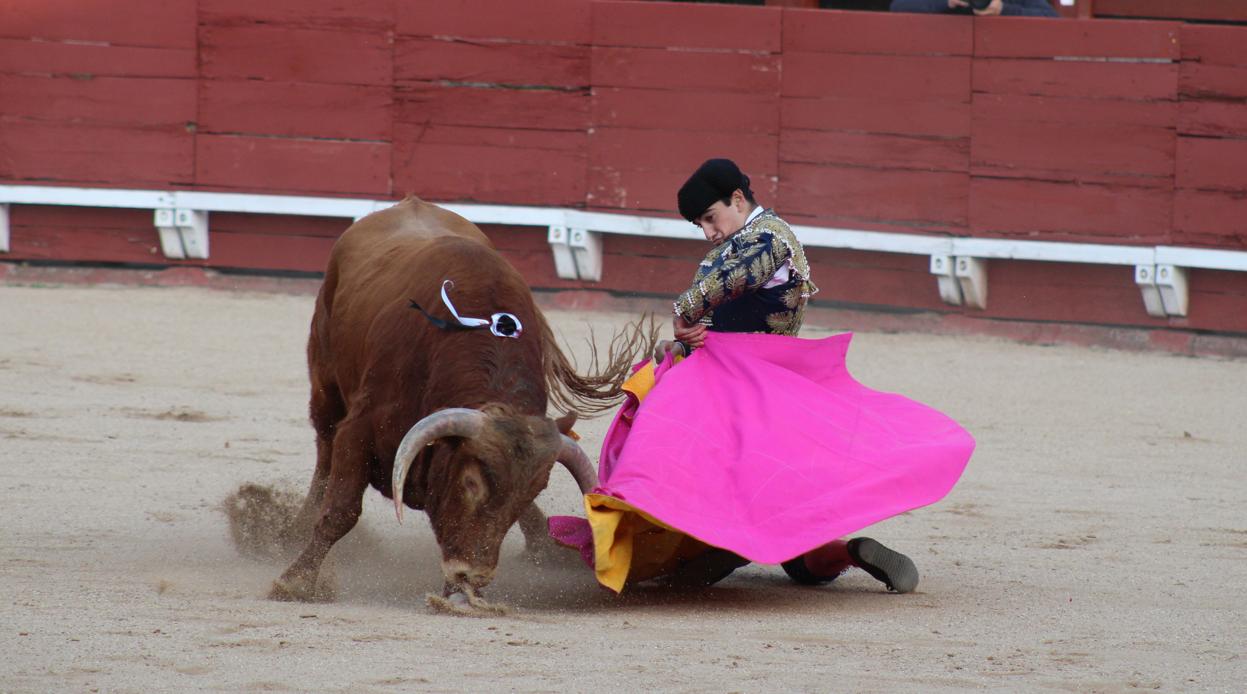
{"x": 740, "y": 285}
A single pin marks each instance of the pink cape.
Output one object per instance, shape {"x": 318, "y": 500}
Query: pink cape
{"x": 765, "y": 445}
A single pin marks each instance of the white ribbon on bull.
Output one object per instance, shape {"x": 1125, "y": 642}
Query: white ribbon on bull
{"x": 501, "y": 324}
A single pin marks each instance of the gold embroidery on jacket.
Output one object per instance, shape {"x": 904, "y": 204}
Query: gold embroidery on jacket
{"x": 746, "y": 262}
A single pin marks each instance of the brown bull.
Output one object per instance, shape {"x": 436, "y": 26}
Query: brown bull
{"x": 453, "y": 420}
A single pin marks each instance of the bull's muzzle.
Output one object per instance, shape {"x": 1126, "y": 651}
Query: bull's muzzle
{"x": 461, "y": 577}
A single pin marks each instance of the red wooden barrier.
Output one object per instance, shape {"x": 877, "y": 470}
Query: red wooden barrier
{"x": 1104, "y": 131}
{"x": 1211, "y": 176}
{"x": 492, "y": 101}
{"x": 676, "y": 66}
{"x": 1076, "y": 147}
{"x": 876, "y": 115}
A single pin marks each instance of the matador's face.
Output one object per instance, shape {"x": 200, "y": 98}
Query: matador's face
{"x": 722, "y": 219}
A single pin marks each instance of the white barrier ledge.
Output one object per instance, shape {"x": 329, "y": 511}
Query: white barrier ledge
{"x": 574, "y": 236}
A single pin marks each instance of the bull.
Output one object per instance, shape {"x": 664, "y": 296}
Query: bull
{"x": 462, "y": 413}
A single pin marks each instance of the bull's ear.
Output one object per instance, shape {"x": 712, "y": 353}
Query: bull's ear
{"x": 566, "y": 422}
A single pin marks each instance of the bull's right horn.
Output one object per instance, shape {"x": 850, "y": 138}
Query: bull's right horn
{"x": 452, "y": 421}
{"x": 577, "y": 463}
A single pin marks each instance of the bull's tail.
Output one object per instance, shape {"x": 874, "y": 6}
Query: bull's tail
{"x": 601, "y": 387}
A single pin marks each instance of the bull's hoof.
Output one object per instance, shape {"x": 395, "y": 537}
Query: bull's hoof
{"x": 465, "y": 605}
{"x": 292, "y": 590}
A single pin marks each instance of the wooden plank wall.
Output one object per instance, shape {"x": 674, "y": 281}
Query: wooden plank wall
{"x": 1104, "y": 131}
{"x": 492, "y": 101}
{"x": 673, "y": 85}
{"x": 1074, "y": 130}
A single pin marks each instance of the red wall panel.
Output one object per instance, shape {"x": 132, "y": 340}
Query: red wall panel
{"x": 643, "y": 169}
{"x": 875, "y": 151}
{"x": 1213, "y": 45}
{"x": 168, "y": 24}
{"x": 286, "y": 54}
{"x": 1212, "y": 164}
{"x": 1069, "y": 211}
{"x": 515, "y": 166}
{"x": 904, "y": 77}
{"x": 83, "y": 234}
{"x": 79, "y": 59}
{"x": 1077, "y": 79}
{"x": 684, "y": 65}
{"x": 666, "y": 109}
{"x": 861, "y": 278}
{"x": 1210, "y": 218}
{"x": 871, "y": 198}
{"x": 266, "y": 164}
{"x": 137, "y": 102}
{"x": 710, "y": 71}
{"x": 433, "y": 103}
{"x": 1217, "y": 118}
{"x": 106, "y": 155}
{"x": 940, "y": 118}
{"x": 357, "y": 15}
{"x": 1091, "y": 152}
{"x": 870, "y": 32}
{"x": 296, "y": 109}
{"x": 664, "y": 25}
{"x": 270, "y": 252}
{"x": 548, "y": 21}
{"x": 495, "y": 62}
{"x": 997, "y": 38}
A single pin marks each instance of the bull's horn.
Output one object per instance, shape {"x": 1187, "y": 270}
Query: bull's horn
{"x": 452, "y": 421}
{"x": 577, "y": 463}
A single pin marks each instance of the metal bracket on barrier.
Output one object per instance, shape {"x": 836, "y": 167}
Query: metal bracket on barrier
{"x": 1171, "y": 281}
{"x": 564, "y": 263}
{"x": 587, "y": 251}
{"x": 1145, "y": 278}
{"x": 4, "y": 228}
{"x": 972, "y": 276}
{"x": 942, "y": 268}
{"x": 183, "y": 233}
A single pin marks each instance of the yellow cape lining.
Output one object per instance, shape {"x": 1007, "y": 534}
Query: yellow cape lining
{"x": 629, "y": 545}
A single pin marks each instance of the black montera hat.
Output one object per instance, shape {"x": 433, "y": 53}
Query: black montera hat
{"x": 712, "y": 181}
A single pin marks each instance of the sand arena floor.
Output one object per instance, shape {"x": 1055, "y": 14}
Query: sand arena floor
{"x": 1097, "y": 542}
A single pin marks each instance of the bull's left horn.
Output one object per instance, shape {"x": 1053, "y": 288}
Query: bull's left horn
{"x": 452, "y": 421}
{"x": 577, "y": 463}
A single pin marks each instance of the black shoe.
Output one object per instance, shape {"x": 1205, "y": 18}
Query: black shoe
{"x": 706, "y": 569}
{"x": 894, "y": 569}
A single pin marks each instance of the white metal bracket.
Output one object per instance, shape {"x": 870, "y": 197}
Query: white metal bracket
{"x": 183, "y": 233}
{"x": 587, "y": 251}
{"x": 942, "y": 268}
{"x": 564, "y": 263}
{"x": 972, "y": 276}
{"x": 1171, "y": 280}
{"x": 1145, "y": 278}
{"x": 170, "y": 239}
{"x": 4, "y": 228}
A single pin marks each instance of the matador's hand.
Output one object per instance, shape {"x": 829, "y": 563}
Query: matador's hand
{"x": 691, "y": 334}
